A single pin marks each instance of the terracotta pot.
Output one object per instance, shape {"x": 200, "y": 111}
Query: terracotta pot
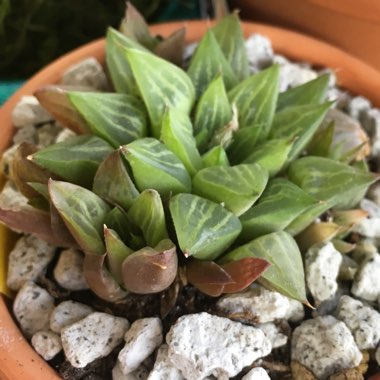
{"x": 18, "y": 361}
{"x": 350, "y": 24}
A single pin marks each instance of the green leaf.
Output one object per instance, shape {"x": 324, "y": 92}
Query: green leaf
{"x": 117, "y": 252}
{"x": 134, "y": 26}
{"x": 271, "y": 155}
{"x": 256, "y": 99}
{"x": 177, "y": 135}
{"x": 243, "y": 144}
{"x": 204, "y": 229}
{"x": 212, "y": 112}
{"x": 116, "y": 118}
{"x": 299, "y": 122}
{"x": 75, "y": 160}
{"x": 161, "y": 84}
{"x": 230, "y": 37}
{"x": 312, "y": 92}
{"x": 147, "y": 213}
{"x": 320, "y": 145}
{"x": 236, "y": 187}
{"x": 286, "y": 274}
{"x": 113, "y": 183}
{"x": 207, "y": 62}
{"x": 216, "y": 156}
{"x": 117, "y": 63}
{"x": 330, "y": 181}
{"x": 83, "y": 213}
{"x": 280, "y": 204}
{"x": 155, "y": 167}
{"x": 307, "y": 217}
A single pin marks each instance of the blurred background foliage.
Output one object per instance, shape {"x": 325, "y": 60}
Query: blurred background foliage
{"x": 34, "y": 32}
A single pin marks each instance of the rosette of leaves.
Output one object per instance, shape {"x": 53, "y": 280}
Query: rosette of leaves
{"x": 207, "y": 169}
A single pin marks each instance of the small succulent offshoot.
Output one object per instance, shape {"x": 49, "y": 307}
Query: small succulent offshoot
{"x": 198, "y": 168}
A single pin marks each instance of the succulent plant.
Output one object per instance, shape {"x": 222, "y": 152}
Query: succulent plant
{"x": 200, "y": 169}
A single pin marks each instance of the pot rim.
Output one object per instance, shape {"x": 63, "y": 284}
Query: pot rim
{"x": 18, "y": 360}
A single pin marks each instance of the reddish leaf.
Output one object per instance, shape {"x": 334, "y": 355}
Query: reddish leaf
{"x": 211, "y": 290}
{"x": 151, "y": 270}
{"x": 55, "y": 100}
{"x": 244, "y": 272}
{"x": 172, "y": 48}
{"x": 100, "y": 280}
{"x": 207, "y": 273}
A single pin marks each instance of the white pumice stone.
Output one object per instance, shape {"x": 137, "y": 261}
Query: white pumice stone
{"x": 6, "y": 160}
{"x": 273, "y": 333}
{"x": 68, "y": 271}
{"x": 366, "y": 283}
{"x": 64, "y": 135}
{"x": 32, "y": 308}
{"x": 202, "y": 345}
{"x": 11, "y": 198}
{"x": 357, "y": 106}
{"x": 369, "y": 227}
{"x": 259, "y": 51}
{"x": 144, "y": 336}
{"x": 295, "y": 312}
{"x": 93, "y": 337}
{"x": 47, "y": 344}
{"x": 47, "y": 134}
{"x": 257, "y": 373}
{"x": 164, "y": 368}
{"x": 329, "y": 306}
{"x": 67, "y": 313}
{"x": 265, "y": 305}
{"x": 87, "y": 73}
{"x": 140, "y": 373}
{"x": 325, "y": 346}
{"x": 28, "y": 260}
{"x": 29, "y": 111}
{"x": 321, "y": 271}
{"x": 370, "y": 121}
{"x": 292, "y": 75}
{"x": 363, "y": 322}
{"x": 27, "y": 133}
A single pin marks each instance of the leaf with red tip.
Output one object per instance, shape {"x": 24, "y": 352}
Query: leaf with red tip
{"x": 55, "y": 100}
{"x": 243, "y": 272}
{"x": 207, "y": 273}
{"x": 150, "y": 270}
{"x": 100, "y": 280}
{"x": 172, "y": 48}
{"x": 211, "y": 289}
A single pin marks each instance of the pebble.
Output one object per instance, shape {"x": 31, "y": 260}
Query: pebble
{"x": 32, "y": 308}
{"x": 274, "y": 334}
{"x": 144, "y": 336}
{"x": 67, "y": 313}
{"x": 68, "y": 271}
{"x": 259, "y": 51}
{"x": 295, "y": 312}
{"x": 257, "y": 373}
{"x": 202, "y": 344}
{"x": 28, "y": 111}
{"x": 263, "y": 304}
{"x": 139, "y": 374}
{"x": 370, "y": 226}
{"x": 93, "y": 337}
{"x": 28, "y": 260}
{"x": 370, "y": 121}
{"x": 87, "y": 73}
{"x": 321, "y": 271}
{"x": 363, "y": 322}
{"x": 64, "y": 135}
{"x": 366, "y": 284}
{"x": 325, "y": 346}
{"x": 11, "y": 198}
{"x": 27, "y": 133}
{"x": 47, "y": 344}
{"x": 164, "y": 368}
{"x": 47, "y": 134}
{"x": 357, "y": 106}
